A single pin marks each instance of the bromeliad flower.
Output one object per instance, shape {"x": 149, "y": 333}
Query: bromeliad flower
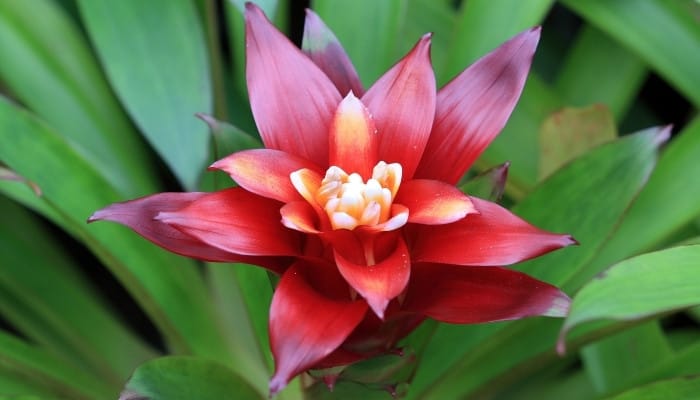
{"x": 353, "y": 203}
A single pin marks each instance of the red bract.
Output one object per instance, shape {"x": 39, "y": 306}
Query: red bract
{"x": 353, "y": 203}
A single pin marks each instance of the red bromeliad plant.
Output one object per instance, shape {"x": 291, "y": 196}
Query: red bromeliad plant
{"x": 353, "y": 201}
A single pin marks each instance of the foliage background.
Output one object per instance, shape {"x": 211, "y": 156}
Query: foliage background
{"x": 97, "y": 104}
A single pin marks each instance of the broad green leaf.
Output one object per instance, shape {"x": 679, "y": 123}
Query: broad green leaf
{"x": 381, "y": 22}
{"x": 483, "y": 25}
{"x": 600, "y": 70}
{"x": 643, "y": 286}
{"x": 666, "y": 204}
{"x": 664, "y": 33}
{"x": 616, "y": 360}
{"x": 186, "y": 378}
{"x": 44, "y": 296}
{"x": 570, "y": 132}
{"x": 677, "y": 389}
{"x": 68, "y": 90}
{"x": 24, "y": 364}
{"x": 167, "y": 287}
{"x": 155, "y": 57}
{"x": 476, "y": 354}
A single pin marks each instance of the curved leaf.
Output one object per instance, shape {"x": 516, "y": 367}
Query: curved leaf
{"x": 27, "y": 365}
{"x": 669, "y": 196}
{"x": 643, "y": 286}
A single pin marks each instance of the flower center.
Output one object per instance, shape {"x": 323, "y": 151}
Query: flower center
{"x": 350, "y": 202}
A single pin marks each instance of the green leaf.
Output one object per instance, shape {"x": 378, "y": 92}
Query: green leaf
{"x": 242, "y": 294}
{"x": 677, "y": 389}
{"x": 424, "y": 16}
{"x": 186, "y": 378}
{"x": 683, "y": 362}
{"x": 154, "y": 55}
{"x": 477, "y": 354}
{"x": 600, "y": 70}
{"x": 68, "y": 90}
{"x": 23, "y": 364}
{"x": 44, "y": 296}
{"x": 570, "y": 132}
{"x": 235, "y": 10}
{"x": 643, "y": 286}
{"x": 228, "y": 138}
{"x": 168, "y": 287}
{"x": 521, "y": 132}
{"x": 483, "y": 25}
{"x": 619, "y": 169}
{"x": 616, "y": 360}
{"x": 664, "y": 33}
{"x": 489, "y": 184}
{"x": 381, "y": 22}
{"x": 669, "y": 196}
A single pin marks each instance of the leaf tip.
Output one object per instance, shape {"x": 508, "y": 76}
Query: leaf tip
{"x": 561, "y": 343}
{"x": 663, "y": 134}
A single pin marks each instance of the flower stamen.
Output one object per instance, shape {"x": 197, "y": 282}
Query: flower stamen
{"x": 350, "y": 202}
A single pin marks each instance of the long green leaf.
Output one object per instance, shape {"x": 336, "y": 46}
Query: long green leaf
{"x": 68, "y": 90}
{"x": 154, "y": 54}
{"x": 646, "y": 285}
{"x": 575, "y": 204}
{"x": 45, "y": 297}
{"x": 615, "y": 361}
{"x": 167, "y": 286}
{"x": 186, "y": 378}
{"x": 662, "y": 32}
{"x": 684, "y": 362}
{"x": 600, "y": 70}
{"x": 677, "y": 389}
{"x": 243, "y": 299}
{"x": 27, "y": 365}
